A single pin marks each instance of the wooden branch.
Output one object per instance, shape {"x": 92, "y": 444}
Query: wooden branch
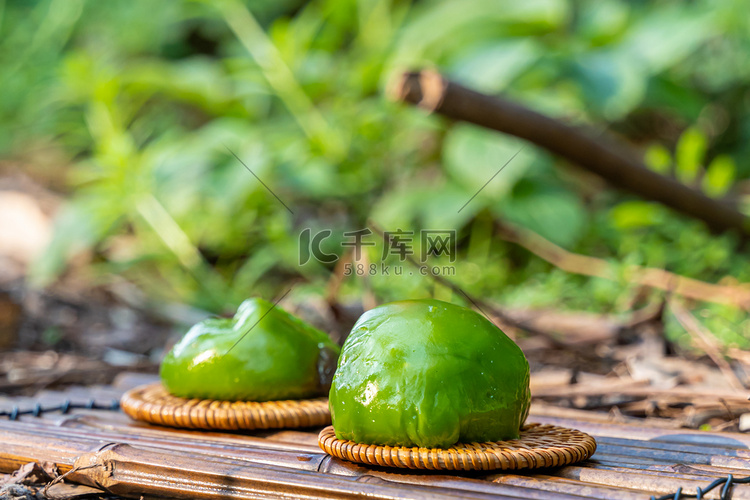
{"x": 659, "y": 279}
{"x": 601, "y": 155}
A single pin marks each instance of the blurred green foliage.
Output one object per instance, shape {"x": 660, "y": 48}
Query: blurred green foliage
{"x": 145, "y": 98}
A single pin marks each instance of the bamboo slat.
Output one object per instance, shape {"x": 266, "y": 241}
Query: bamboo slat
{"x": 133, "y": 472}
{"x": 131, "y": 458}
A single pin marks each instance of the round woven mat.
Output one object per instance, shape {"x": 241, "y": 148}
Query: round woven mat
{"x": 538, "y": 446}
{"x": 152, "y": 403}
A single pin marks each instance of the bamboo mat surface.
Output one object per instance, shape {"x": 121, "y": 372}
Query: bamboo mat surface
{"x": 109, "y": 451}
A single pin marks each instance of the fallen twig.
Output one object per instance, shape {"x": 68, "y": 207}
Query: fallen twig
{"x": 705, "y": 341}
{"x": 680, "y": 394}
{"x": 654, "y": 278}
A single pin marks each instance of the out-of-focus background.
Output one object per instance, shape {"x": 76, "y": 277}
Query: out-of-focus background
{"x": 124, "y": 217}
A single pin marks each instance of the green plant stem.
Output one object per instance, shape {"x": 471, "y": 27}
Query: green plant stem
{"x": 279, "y": 76}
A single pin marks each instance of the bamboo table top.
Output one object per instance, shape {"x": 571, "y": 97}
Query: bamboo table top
{"x": 108, "y": 450}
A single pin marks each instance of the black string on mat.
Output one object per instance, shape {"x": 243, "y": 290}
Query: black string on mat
{"x": 63, "y": 408}
{"x": 725, "y": 493}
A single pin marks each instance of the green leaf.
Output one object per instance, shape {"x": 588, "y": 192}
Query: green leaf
{"x": 490, "y": 68}
{"x": 472, "y": 156}
{"x": 455, "y": 19}
{"x": 691, "y": 149}
{"x": 612, "y": 80}
{"x": 719, "y": 176}
{"x": 658, "y": 159}
{"x": 555, "y": 214}
{"x": 600, "y": 21}
{"x": 744, "y": 205}
{"x": 634, "y": 214}
{"x": 668, "y": 34}
{"x": 429, "y": 206}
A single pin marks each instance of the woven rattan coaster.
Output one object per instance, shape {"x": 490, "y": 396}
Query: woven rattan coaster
{"x": 538, "y": 446}
{"x": 153, "y": 404}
